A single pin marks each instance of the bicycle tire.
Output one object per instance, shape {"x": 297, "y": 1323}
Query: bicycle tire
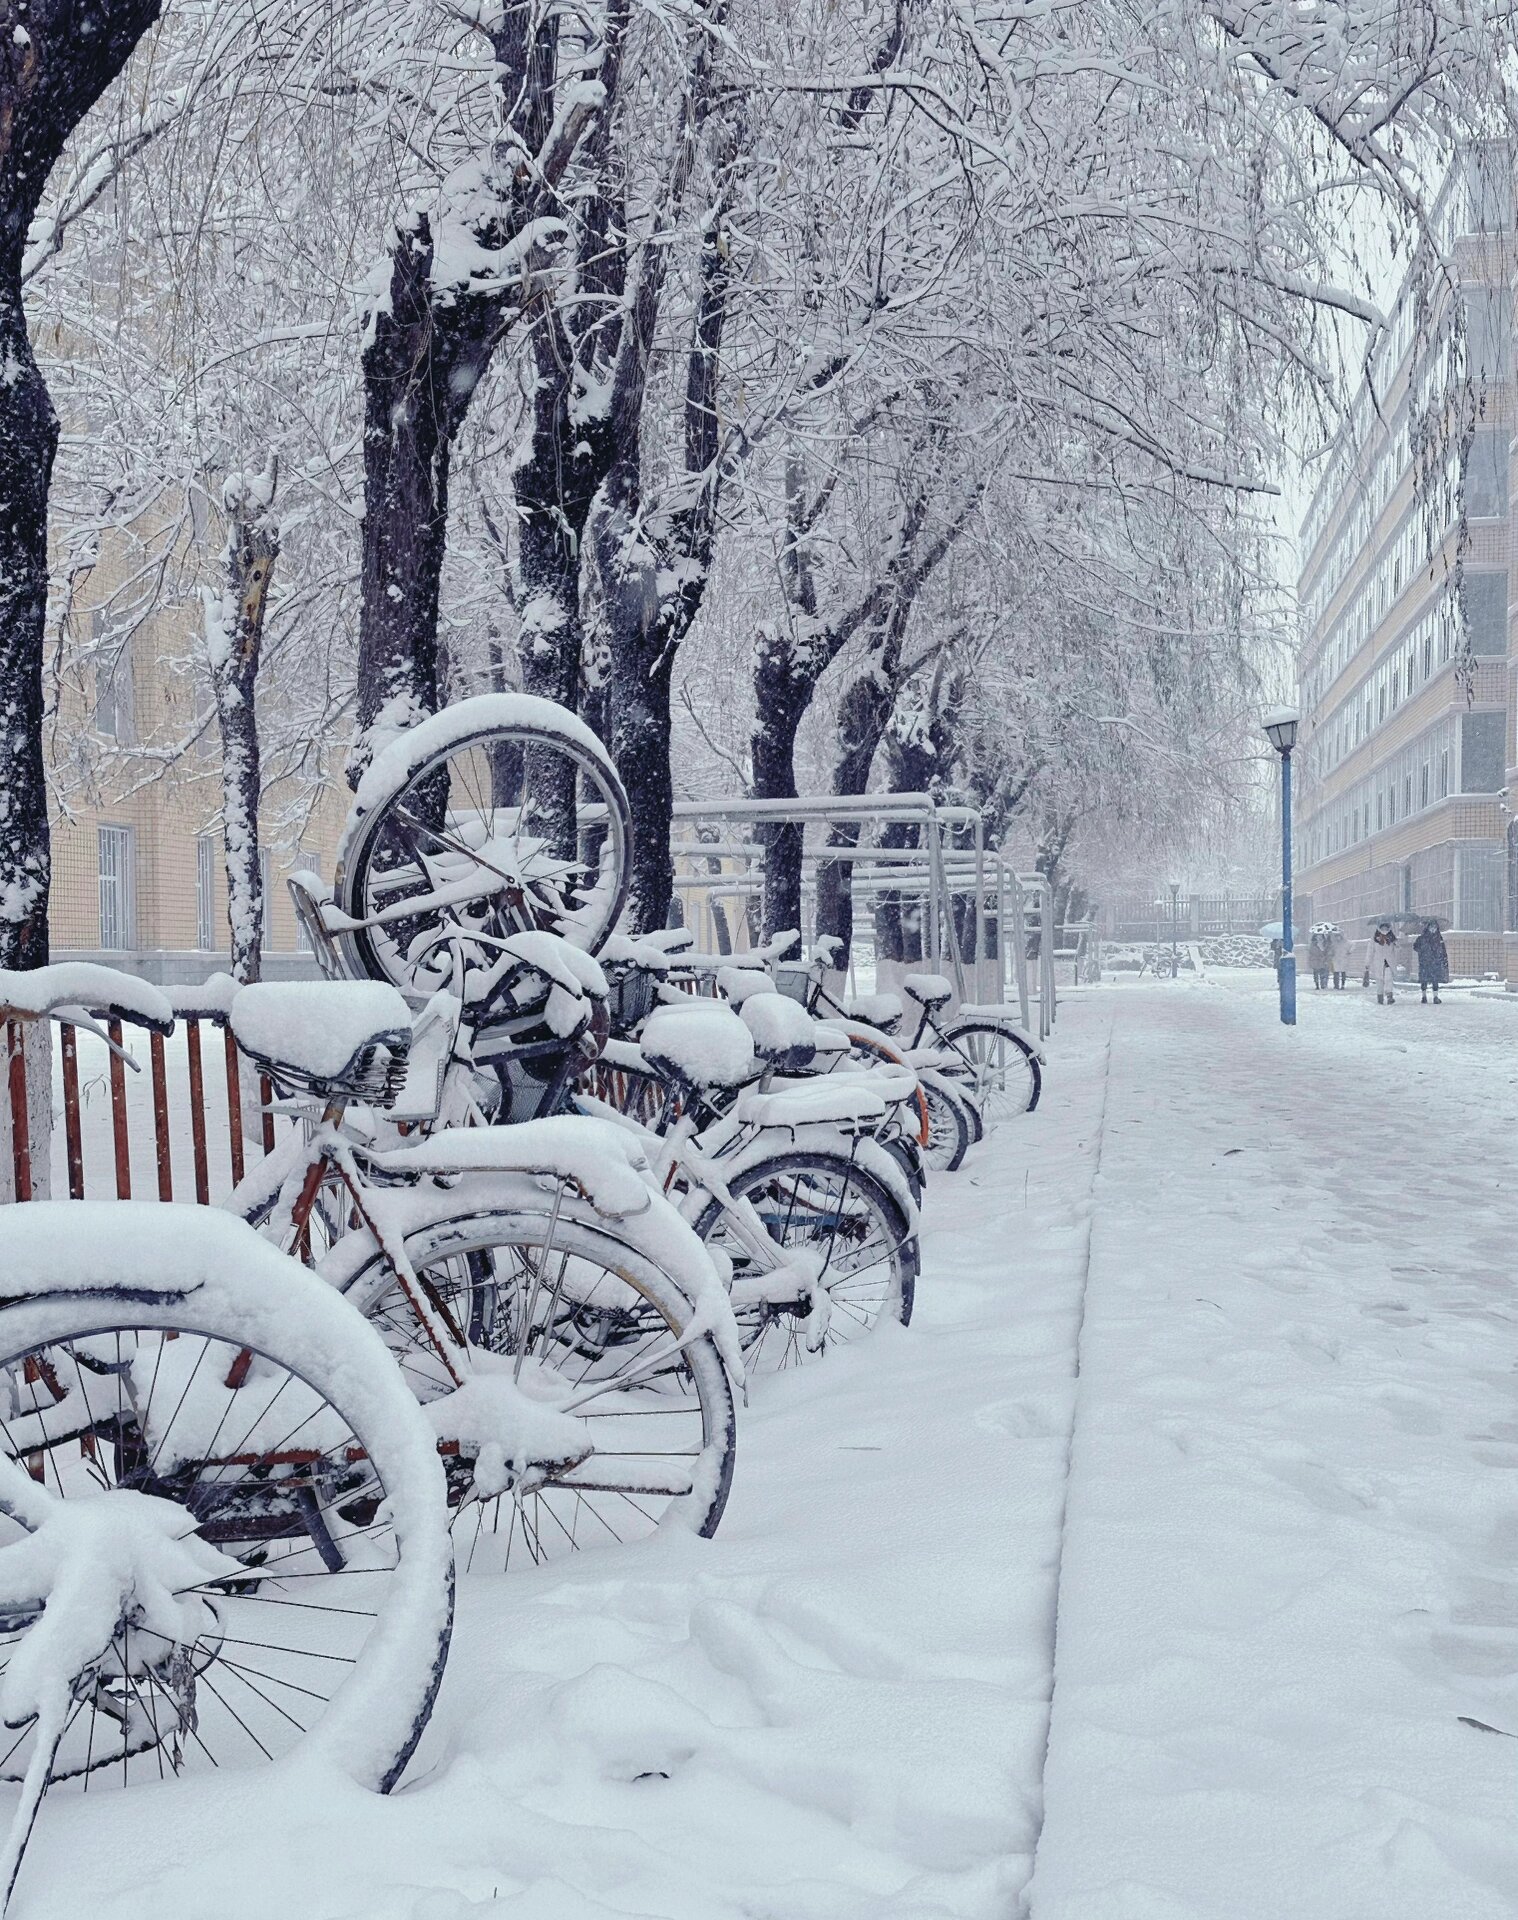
{"x": 1023, "y": 1093}
{"x": 378, "y": 828}
{"x": 219, "y": 1293}
{"x": 482, "y": 1213}
{"x": 891, "y": 1300}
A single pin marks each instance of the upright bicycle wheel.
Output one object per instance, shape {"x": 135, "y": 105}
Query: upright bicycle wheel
{"x": 622, "y": 1421}
{"x": 498, "y": 815}
{"x": 204, "y": 1370}
{"x": 1000, "y": 1072}
{"x": 949, "y": 1125}
{"x": 846, "y": 1225}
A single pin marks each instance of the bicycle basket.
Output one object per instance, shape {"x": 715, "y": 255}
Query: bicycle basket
{"x": 631, "y": 998}
{"x": 794, "y": 982}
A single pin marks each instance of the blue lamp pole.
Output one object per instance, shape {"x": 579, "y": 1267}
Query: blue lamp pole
{"x": 1281, "y": 731}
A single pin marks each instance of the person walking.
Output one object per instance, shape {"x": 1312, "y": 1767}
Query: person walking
{"x": 1318, "y": 953}
{"x": 1383, "y": 962}
{"x": 1338, "y": 956}
{"x": 1433, "y": 960}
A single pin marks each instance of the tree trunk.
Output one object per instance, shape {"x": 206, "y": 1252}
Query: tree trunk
{"x": 863, "y": 715}
{"x": 53, "y": 68}
{"x": 234, "y": 640}
{"x": 640, "y": 699}
{"x": 28, "y": 442}
{"x": 782, "y": 694}
{"x": 406, "y": 457}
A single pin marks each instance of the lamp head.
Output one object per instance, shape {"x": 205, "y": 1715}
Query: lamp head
{"x": 1280, "y": 726}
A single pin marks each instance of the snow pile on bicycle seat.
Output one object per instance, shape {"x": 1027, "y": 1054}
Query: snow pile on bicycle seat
{"x": 80, "y": 983}
{"x": 928, "y": 989}
{"x": 96, "y": 1560}
{"x": 704, "y": 1043}
{"x": 316, "y": 1025}
{"x": 608, "y": 1164}
{"x": 875, "y": 1009}
{"x": 464, "y": 720}
{"x": 737, "y": 984}
{"x": 779, "y": 1027}
{"x": 510, "y": 1433}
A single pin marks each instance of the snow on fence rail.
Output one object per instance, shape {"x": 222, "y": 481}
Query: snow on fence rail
{"x": 85, "y": 1111}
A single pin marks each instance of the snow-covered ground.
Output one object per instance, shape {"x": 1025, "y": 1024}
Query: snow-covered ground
{"x": 1285, "y": 1556}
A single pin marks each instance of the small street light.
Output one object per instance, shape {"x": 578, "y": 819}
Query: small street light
{"x": 1280, "y": 726}
{"x": 1175, "y": 922}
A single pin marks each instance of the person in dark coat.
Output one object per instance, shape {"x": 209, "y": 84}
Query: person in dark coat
{"x": 1433, "y": 960}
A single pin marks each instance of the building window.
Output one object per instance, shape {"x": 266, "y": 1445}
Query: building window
{"x": 1443, "y": 773}
{"x": 1483, "y": 598}
{"x": 1423, "y": 786}
{"x": 265, "y": 871}
{"x": 1479, "y": 878}
{"x": 1380, "y": 812}
{"x": 1488, "y": 321}
{"x": 1483, "y": 752}
{"x": 1486, "y": 476}
{"x": 117, "y": 856}
{"x": 205, "y": 892}
{"x": 113, "y": 699}
{"x": 1407, "y": 795}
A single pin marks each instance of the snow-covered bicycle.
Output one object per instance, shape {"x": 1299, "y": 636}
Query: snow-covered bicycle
{"x": 784, "y": 1178}
{"x": 222, "y": 1524}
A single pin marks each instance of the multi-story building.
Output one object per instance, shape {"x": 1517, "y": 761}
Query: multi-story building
{"x": 1406, "y": 672}
{"x": 139, "y": 875}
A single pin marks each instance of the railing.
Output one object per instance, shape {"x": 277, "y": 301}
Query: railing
{"x": 202, "y": 1104}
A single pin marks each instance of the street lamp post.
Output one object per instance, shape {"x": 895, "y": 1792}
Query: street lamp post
{"x": 1281, "y": 731}
{"x": 1175, "y": 926}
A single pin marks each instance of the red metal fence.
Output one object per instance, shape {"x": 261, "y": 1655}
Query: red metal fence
{"x": 170, "y": 1119}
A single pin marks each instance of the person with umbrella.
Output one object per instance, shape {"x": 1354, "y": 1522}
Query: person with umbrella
{"x": 1383, "y": 962}
{"x": 1320, "y": 952}
{"x": 1338, "y": 956}
{"x": 1433, "y": 960}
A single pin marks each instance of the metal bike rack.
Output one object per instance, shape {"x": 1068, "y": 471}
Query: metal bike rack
{"x": 935, "y": 874}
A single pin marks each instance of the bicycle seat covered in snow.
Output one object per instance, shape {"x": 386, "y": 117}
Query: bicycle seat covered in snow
{"x": 928, "y": 989}
{"x": 337, "y": 1039}
{"x": 784, "y": 1034}
{"x": 703, "y": 1045}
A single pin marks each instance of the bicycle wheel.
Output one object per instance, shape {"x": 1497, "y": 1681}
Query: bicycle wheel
{"x": 948, "y": 1126}
{"x": 204, "y": 1369}
{"x": 498, "y": 815}
{"x": 589, "y": 1326}
{"x": 845, "y": 1216}
{"x": 1001, "y": 1070}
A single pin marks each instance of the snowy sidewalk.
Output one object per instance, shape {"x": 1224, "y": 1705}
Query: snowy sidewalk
{"x": 1289, "y": 1598}
{"x": 836, "y": 1710}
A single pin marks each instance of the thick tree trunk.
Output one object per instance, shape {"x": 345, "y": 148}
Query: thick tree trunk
{"x": 640, "y": 702}
{"x": 406, "y": 456}
{"x": 28, "y": 442}
{"x": 782, "y": 694}
{"x": 235, "y": 642}
{"x": 56, "y": 59}
{"x": 863, "y": 715}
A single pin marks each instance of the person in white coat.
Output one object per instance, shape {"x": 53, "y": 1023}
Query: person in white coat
{"x": 1383, "y": 962}
{"x": 1338, "y": 957}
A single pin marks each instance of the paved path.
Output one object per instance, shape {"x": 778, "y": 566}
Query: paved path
{"x": 1289, "y": 1596}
